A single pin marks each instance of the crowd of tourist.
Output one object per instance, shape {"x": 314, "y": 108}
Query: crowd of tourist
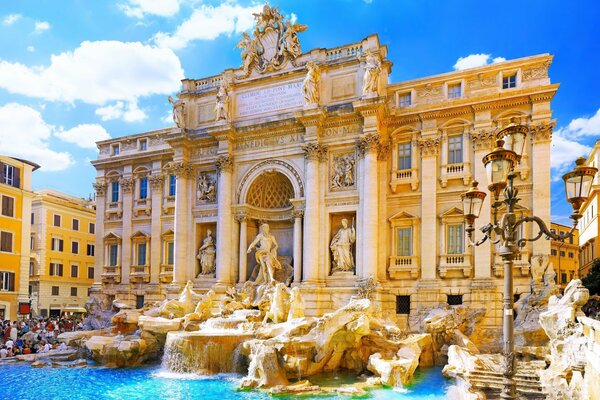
{"x": 34, "y": 335}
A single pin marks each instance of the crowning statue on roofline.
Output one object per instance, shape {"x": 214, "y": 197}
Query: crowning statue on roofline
{"x": 273, "y": 44}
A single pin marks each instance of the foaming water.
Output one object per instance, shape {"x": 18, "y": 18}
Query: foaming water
{"x": 20, "y": 381}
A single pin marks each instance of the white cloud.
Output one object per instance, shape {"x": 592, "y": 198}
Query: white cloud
{"x": 25, "y": 134}
{"x": 129, "y": 113}
{"x": 30, "y": 49}
{"x": 208, "y": 23}
{"x": 41, "y": 26}
{"x": 139, "y": 8}
{"x": 84, "y": 135}
{"x": 11, "y": 19}
{"x": 476, "y": 60}
{"x": 580, "y": 127}
{"x": 97, "y": 73}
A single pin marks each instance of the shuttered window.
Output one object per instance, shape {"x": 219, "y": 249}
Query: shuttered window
{"x": 6, "y": 242}
{"x": 8, "y": 206}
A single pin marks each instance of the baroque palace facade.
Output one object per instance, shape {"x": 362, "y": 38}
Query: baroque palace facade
{"x": 302, "y": 142}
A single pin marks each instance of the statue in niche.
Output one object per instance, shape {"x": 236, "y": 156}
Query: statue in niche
{"x": 178, "y": 112}
{"x": 343, "y": 171}
{"x": 266, "y": 254}
{"x": 341, "y": 248}
{"x": 371, "y": 76}
{"x": 250, "y": 52}
{"x": 206, "y": 189}
{"x": 289, "y": 42}
{"x": 207, "y": 255}
{"x": 310, "y": 85}
{"x": 222, "y": 105}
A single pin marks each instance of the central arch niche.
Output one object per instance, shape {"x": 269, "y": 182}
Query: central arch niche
{"x": 270, "y": 190}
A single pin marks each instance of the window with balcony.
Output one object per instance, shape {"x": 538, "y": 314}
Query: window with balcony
{"x": 402, "y": 261}
{"x": 7, "y": 281}
{"x": 455, "y": 242}
{"x": 143, "y": 188}
{"x": 454, "y": 91}
{"x": 114, "y": 192}
{"x": 404, "y": 241}
{"x": 141, "y": 254}
{"x": 113, "y": 254}
{"x": 6, "y": 242}
{"x": 404, "y": 156}
{"x": 455, "y": 149}
{"x": 8, "y": 206}
{"x": 509, "y": 81}
{"x": 56, "y": 269}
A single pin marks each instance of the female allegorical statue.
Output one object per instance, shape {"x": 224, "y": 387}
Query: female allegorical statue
{"x": 207, "y": 255}
{"x": 341, "y": 247}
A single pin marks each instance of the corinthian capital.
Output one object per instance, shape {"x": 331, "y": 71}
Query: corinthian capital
{"x": 156, "y": 181}
{"x": 368, "y": 143}
{"x": 224, "y": 163}
{"x": 430, "y": 146}
{"x": 542, "y": 132}
{"x": 100, "y": 188}
{"x": 315, "y": 151}
{"x": 483, "y": 140}
{"x": 126, "y": 184}
{"x": 180, "y": 169}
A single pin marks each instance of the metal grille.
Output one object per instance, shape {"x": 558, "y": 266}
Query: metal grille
{"x": 403, "y": 305}
{"x": 455, "y": 299}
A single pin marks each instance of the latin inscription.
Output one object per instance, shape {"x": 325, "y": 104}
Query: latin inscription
{"x": 270, "y": 99}
{"x": 268, "y": 142}
{"x": 345, "y": 130}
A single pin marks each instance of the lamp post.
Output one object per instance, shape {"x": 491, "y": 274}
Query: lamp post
{"x": 503, "y": 230}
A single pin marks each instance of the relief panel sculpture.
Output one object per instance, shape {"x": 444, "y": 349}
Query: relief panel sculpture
{"x": 206, "y": 188}
{"x": 342, "y": 175}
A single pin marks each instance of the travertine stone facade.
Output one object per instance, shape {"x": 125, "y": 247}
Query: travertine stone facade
{"x": 589, "y": 228}
{"x": 391, "y": 160}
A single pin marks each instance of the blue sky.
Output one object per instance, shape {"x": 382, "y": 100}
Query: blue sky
{"x": 73, "y": 72}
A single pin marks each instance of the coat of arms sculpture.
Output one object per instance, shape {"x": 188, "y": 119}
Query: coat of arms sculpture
{"x": 274, "y": 42}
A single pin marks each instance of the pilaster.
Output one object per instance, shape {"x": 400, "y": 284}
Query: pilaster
{"x": 156, "y": 181}
{"x": 127, "y": 188}
{"x": 224, "y": 220}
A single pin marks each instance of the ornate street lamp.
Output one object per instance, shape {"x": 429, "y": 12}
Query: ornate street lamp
{"x": 499, "y": 165}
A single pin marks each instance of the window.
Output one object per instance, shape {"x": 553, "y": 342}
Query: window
{"x": 90, "y": 273}
{"x": 553, "y": 252}
{"x": 31, "y": 242}
{"x": 141, "y": 254}
{"x": 143, "y": 188}
{"x": 75, "y": 224}
{"x": 172, "y": 182}
{"x": 454, "y": 91}
{"x": 6, "y": 242}
{"x": 563, "y": 277}
{"x": 92, "y": 228}
{"x": 55, "y": 290}
{"x": 90, "y": 250}
{"x": 56, "y": 244}
{"x": 403, "y": 305}
{"x": 562, "y": 253}
{"x": 75, "y": 247}
{"x": 74, "y": 271}
{"x": 7, "y": 281}
{"x": 455, "y": 149}
{"x": 113, "y": 252}
{"x": 404, "y": 156}
{"x": 571, "y": 255}
{"x": 170, "y": 253}
{"x": 143, "y": 144}
{"x": 404, "y": 241}
{"x": 31, "y": 268}
{"x": 404, "y": 100}
{"x": 56, "y": 269}
{"x": 73, "y": 292}
{"x": 114, "y": 192}
{"x": 115, "y": 150}
{"x": 56, "y": 220}
{"x": 10, "y": 175}
{"x": 455, "y": 242}
{"x": 455, "y": 299}
{"x": 8, "y": 206}
{"x": 32, "y": 218}
{"x": 571, "y": 240}
{"x": 509, "y": 81}
{"x": 139, "y": 302}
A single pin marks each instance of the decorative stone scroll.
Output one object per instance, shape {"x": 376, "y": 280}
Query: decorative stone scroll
{"x": 429, "y": 91}
{"x": 156, "y": 180}
{"x": 542, "y": 132}
{"x": 430, "y": 146}
{"x": 368, "y": 143}
{"x": 100, "y": 188}
{"x": 342, "y": 171}
{"x": 483, "y": 140}
{"x": 315, "y": 151}
{"x": 539, "y": 72}
{"x": 384, "y": 150}
{"x": 126, "y": 184}
{"x": 224, "y": 163}
{"x": 180, "y": 169}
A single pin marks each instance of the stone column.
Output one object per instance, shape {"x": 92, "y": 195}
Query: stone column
{"x": 99, "y": 259}
{"x": 540, "y": 175}
{"x": 314, "y": 153}
{"x": 430, "y": 147}
{"x": 183, "y": 172}
{"x": 297, "y": 214}
{"x": 127, "y": 192}
{"x": 224, "y": 220}
{"x": 368, "y": 147}
{"x": 243, "y": 244}
{"x": 483, "y": 256}
{"x": 156, "y": 180}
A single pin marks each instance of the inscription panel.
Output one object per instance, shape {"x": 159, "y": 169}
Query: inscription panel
{"x": 257, "y": 143}
{"x": 270, "y": 99}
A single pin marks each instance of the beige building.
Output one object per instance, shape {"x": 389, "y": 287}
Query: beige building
{"x": 564, "y": 255}
{"x": 61, "y": 269}
{"x": 301, "y": 141}
{"x": 589, "y": 229}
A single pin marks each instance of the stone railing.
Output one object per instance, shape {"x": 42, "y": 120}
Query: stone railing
{"x": 114, "y": 209}
{"x": 591, "y": 331}
{"x": 337, "y": 53}
{"x": 404, "y": 176}
{"x": 520, "y": 264}
{"x": 201, "y": 84}
{"x": 455, "y": 262}
{"x": 402, "y": 266}
{"x": 455, "y": 171}
{"x": 111, "y": 273}
{"x": 139, "y": 273}
{"x": 166, "y": 273}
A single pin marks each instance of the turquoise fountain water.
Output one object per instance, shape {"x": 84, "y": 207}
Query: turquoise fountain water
{"x": 20, "y": 381}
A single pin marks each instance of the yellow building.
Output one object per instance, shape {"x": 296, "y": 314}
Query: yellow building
{"x": 62, "y": 257}
{"x": 589, "y": 229}
{"x": 565, "y": 255}
{"x": 15, "y": 201}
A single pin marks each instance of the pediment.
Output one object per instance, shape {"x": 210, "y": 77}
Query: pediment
{"x": 401, "y": 215}
{"x": 112, "y": 235}
{"x": 452, "y": 212}
{"x": 138, "y": 234}
{"x": 168, "y": 232}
